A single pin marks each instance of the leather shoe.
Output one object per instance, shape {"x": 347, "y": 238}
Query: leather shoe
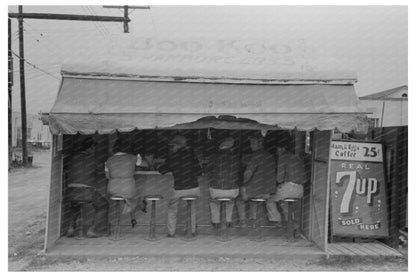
{"x": 144, "y": 209}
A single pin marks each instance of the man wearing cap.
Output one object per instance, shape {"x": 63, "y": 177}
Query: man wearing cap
{"x": 224, "y": 179}
{"x": 185, "y": 169}
{"x": 82, "y": 172}
{"x": 259, "y": 179}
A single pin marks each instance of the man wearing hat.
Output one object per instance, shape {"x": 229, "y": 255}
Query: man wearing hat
{"x": 185, "y": 169}
{"x": 224, "y": 179}
{"x": 259, "y": 179}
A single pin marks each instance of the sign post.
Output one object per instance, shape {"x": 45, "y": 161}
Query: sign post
{"x": 358, "y": 190}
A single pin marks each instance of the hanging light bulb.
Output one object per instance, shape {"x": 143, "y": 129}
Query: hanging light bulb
{"x": 209, "y": 134}
{"x": 263, "y": 132}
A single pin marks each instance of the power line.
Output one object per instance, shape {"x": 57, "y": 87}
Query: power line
{"x": 100, "y": 23}
{"x": 107, "y": 12}
{"x": 153, "y": 23}
{"x": 39, "y": 40}
{"x": 88, "y": 12}
{"x": 36, "y": 67}
{"x": 42, "y": 35}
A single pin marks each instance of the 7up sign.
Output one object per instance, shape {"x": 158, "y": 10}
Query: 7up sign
{"x": 358, "y": 200}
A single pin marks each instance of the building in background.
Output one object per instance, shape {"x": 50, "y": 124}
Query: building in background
{"x": 38, "y": 135}
{"x": 388, "y": 107}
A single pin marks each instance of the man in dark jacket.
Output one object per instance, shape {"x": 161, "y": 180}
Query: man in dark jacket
{"x": 82, "y": 180}
{"x": 259, "y": 179}
{"x": 224, "y": 180}
{"x": 185, "y": 169}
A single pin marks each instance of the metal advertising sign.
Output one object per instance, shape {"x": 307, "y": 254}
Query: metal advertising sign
{"x": 358, "y": 190}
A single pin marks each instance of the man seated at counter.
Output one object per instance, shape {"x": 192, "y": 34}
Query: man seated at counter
{"x": 120, "y": 169}
{"x": 223, "y": 170}
{"x": 259, "y": 180}
{"x": 82, "y": 175}
{"x": 291, "y": 176}
{"x": 185, "y": 169}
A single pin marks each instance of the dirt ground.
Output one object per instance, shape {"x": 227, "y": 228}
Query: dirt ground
{"x": 27, "y": 214}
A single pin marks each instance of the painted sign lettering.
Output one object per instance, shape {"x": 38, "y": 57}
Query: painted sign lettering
{"x": 358, "y": 200}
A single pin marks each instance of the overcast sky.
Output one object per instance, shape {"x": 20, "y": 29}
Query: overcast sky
{"x": 371, "y": 41}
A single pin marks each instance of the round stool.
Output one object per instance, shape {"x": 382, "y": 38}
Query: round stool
{"x": 290, "y": 233}
{"x": 152, "y": 223}
{"x": 118, "y": 200}
{"x": 188, "y": 227}
{"x": 222, "y": 233}
{"x": 258, "y": 231}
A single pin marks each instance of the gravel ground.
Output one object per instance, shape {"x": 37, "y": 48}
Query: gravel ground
{"x": 214, "y": 264}
{"x": 27, "y": 214}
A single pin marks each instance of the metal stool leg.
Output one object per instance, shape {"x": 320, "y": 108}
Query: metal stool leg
{"x": 81, "y": 223}
{"x": 223, "y": 230}
{"x": 290, "y": 227}
{"x": 254, "y": 227}
{"x": 188, "y": 236}
{"x": 257, "y": 230}
{"x": 117, "y": 228}
{"x": 152, "y": 225}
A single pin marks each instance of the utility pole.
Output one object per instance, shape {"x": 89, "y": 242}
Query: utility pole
{"x": 22, "y": 87}
{"x": 10, "y": 85}
{"x": 48, "y": 16}
{"x": 126, "y": 13}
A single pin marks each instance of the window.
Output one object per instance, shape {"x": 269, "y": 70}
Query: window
{"x": 373, "y": 123}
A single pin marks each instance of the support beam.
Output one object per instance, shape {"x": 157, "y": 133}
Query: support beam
{"x": 77, "y": 17}
{"x": 126, "y": 13}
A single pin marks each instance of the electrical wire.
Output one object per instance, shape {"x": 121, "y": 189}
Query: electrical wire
{"x": 36, "y": 67}
{"x": 42, "y": 35}
{"x": 88, "y": 11}
{"x": 56, "y": 50}
{"x": 100, "y": 23}
{"x": 107, "y": 12}
{"x": 153, "y": 23}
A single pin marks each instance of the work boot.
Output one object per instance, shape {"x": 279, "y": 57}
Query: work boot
{"x": 276, "y": 224}
{"x": 216, "y": 225}
{"x": 229, "y": 225}
{"x": 251, "y": 223}
{"x": 241, "y": 224}
{"x": 91, "y": 233}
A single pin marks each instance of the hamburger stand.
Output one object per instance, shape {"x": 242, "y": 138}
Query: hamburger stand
{"x": 346, "y": 196}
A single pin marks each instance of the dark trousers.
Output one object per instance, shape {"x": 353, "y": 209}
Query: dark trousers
{"x": 100, "y": 205}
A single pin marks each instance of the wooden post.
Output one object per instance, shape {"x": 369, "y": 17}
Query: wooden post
{"x": 10, "y": 85}
{"x": 22, "y": 88}
{"x": 126, "y": 17}
{"x": 126, "y": 13}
